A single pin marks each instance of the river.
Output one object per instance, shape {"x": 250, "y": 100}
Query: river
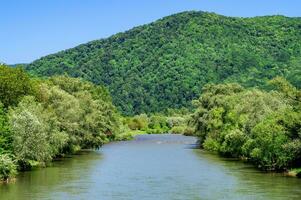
{"x": 150, "y": 167}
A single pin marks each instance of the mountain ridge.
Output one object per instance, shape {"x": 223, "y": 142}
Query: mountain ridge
{"x": 178, "y": 54}
{"x": 138, "y": 26}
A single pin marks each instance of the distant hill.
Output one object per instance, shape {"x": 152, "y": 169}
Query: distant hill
{"x": 19, "y": 65}
{"x": 165, "y": 64}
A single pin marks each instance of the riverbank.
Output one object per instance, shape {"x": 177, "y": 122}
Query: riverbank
{"x": 127, "y": 135}
{"x": 294, "y": 172}
{"x": 130, "y": 135}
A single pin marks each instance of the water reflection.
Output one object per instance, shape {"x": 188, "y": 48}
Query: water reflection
{"x": 68, "y": 176}
{"x": 150, "y": 167}
{"x": 251, "y": 183}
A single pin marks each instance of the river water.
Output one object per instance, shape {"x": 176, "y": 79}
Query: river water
{"x": 150, "y": 167}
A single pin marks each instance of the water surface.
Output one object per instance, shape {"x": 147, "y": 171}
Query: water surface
{"x": 150, "y": 167}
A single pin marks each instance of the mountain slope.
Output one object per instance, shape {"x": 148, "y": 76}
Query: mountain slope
{"x": 165, "y": 64}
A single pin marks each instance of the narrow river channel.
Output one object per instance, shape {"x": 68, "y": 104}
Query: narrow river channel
{"x": 150, "y": 167}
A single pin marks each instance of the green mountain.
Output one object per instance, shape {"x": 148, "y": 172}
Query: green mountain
{"x": 164, "y": 64}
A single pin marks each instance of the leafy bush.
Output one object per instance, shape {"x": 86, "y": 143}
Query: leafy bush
{"x": 31, "y": 139}
{"x": 178, "y": 129}
{"x": 233, "y": 142}
{"x": 211, "y": 144}
{"x": 14, "y": 84}
{"x": 128, "y": 134}
{"x": 158, "y": 122}
{"x": 175, "y": 121}
{"x": 189, "y": 131}
{"x": 276, "y": 145}
{"x": 138, "y": 122}
{"x": 5, "y": 133}
{"x": 8, "y": 168}
{"x": 155, "y": 124}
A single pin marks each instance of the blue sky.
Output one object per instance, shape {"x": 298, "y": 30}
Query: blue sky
{"x": 34, "y": 28}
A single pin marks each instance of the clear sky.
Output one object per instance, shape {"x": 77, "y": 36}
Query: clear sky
{"x": 34, "y": 28}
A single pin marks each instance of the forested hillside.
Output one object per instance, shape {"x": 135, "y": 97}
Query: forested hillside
{"x": 166, "y": 63}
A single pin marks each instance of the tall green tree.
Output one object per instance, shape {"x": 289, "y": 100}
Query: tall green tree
{"x": 14, "y": 84}
{"x": 5, "y": 133}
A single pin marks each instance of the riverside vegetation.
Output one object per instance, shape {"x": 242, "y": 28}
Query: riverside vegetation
{"x": 41, "y": 119}
{"x": 234, "y": 66}
{"x": 44, "y": 119}
{"x": 263, "y": 127}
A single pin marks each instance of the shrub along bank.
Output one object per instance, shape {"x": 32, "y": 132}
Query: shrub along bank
{"x": 173, "y": 121}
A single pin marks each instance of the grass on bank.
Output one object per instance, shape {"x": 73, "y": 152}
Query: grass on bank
{"x": 296, "y": 172}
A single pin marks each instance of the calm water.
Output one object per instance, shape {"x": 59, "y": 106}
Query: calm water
{"x": 150, "y": 167}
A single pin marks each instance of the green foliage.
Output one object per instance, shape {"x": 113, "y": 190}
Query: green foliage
{"x": 208, "y": 117}
{"x": 233, "y": 142}
{"x": 43, "y": 119}
{"x": 64, "y": 115}
{"x": 128, "y": 134}
{"x": 14, "y": 84}
{"x": 5, "y": 133}
{"x": 157, "y": 123}
{"x": 189, "y": 131}
{"x": 261, "y": 126}
{"x": 178, "y": 124}
{"x": 277, "y": 140}
{"x": 176, "y": 121}
{"x": 8, "y": 168}
{"x": 283, "y": 86}
{"x": 80, "y": 109}
{"x": 178, "y": 129}
{"x": 211, "y": 144}
{"x": 32, "y": 136}
{"x": 165, "y": 64}
{"x": 138, "y": 122}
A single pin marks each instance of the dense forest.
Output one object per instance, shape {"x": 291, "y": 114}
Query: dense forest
{"x": 166, "y": 63}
